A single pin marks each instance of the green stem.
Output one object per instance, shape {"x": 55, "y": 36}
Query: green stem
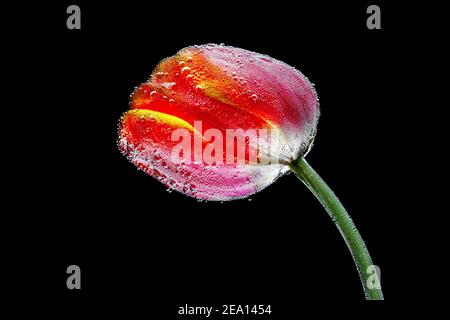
{"x": 343, "y": 222}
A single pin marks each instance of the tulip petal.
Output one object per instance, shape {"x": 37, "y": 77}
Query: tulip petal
{"x": 145, "y": 138}
{"x": 271, "y": 89}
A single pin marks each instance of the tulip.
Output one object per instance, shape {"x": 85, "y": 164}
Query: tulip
{"x": 220, "y": 123}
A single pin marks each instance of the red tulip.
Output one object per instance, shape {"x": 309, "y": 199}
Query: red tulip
{"x": 178, "y": 131}
{"x": 223, "y": 88}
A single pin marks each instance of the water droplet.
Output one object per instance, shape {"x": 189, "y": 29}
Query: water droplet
{"x": 265, "y": 58}
{"x": 168, "y": 85}
{"x": 185, "y": 70}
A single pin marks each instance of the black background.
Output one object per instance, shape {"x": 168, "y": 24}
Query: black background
{"x": 142, "y": 248}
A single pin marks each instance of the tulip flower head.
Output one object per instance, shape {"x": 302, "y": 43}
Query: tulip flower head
{"x": 219, "y": 123}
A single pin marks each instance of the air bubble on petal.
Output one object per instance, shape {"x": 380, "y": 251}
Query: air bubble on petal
{"x": 168, "y": 85}
{"x": 265, "y": 58}
{"x": 185, "y": 70}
